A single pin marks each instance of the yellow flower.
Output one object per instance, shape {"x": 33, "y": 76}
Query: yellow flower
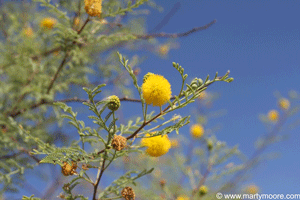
{"x": 157, "y": 145}
{"x": 203, "y": 190}
{"x": 76, "y": 21}
{"x": 284, "y": 104}
{"x": 252, "y": 189}
{"x": 273, "y": 115}
{"x": 93, "y": 7}
{"x": 28, "y": 31}
{"x": 197, "y": 131}
{"x": 164, "y": 49}
{"x": 182, "y": 198}
{"x": 103, "y": 21}
{"x": 156, "y": 90}
{"x": 203, "y": 95}
{"x": 48, "y": 23}
{"x": 174, "y": 143}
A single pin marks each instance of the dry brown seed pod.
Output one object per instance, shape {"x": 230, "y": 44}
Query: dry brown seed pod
{"x": 119, "y": 142}
{"x": 128, "y": 193}
{"x": 68, "y": 169}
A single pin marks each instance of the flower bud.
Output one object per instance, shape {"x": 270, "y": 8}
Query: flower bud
{"x": 114, "y": 103}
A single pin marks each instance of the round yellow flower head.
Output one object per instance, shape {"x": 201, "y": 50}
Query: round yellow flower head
{"x": 157, "y": 145}
{"x": 203, "y": 190}
{"x": 156, "y": 90}
{"x": 76, "y": 21}
{"x": 174, "y": 143}
{"x": 252, "y": 189}
{"x": 273, "y": 115}
{"x": 48, "y": 23}
{"x": 197, "y": 131}
{"x": 114, "y": 103}
{"x": 164, "y": 49}
{"x": 203, "y": 95}
{"x": 284, "y": 104}
{"x": 68, "y": 169}
{"x": 182, "y": 198}
{"x": 93, "y": 7}
{"x": 28, "y": 31}
{"x": 146, "y": 76}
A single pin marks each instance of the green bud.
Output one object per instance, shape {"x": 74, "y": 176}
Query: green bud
{"x": 114, "y": 103}
{"x": 229, "y": 80}
{"x": 210, "y": 145}
{"x": 203, "y": 190}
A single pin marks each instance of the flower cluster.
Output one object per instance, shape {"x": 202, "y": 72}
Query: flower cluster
{"x": 273, "y": 115}
{"x": 28, "y": 31}
{"x": 157, "y": 145}
{"x": 252, "y": 189}
{"x": 182, "y": 198}
{"x": 197, "y": 131}
{"x": 93, "y": 7}
{"x": 68, "y": 169}
{"x": 48, "y": 23}
{"x": 284, "y": 104}
{"x": 203, "y": 190}
{"x": 156, "y": 89}
{"x": 164, "y": 49}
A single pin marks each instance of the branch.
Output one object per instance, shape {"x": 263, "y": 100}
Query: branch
{"x": 59, "y": 48}
{"x": 168, "y": 16}
{"x": 99, "y": 178}
{"x": 57, "y": 72}
{"x": 11, "y": 156}
{"x": 176, "y": 35}
{"x": 22, "y": 151}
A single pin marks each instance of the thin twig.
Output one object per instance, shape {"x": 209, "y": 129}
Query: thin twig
{"x": 99, "y": 178}
{"x": 57, "y": 72}
{"x": 176, "y": 35}
{"x": 167, "y": 18}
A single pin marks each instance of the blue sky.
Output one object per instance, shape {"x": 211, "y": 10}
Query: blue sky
{"x": 259, "y": 42}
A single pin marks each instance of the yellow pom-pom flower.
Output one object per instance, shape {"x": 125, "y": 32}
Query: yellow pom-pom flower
{"x": 182, "y": 198}
{"x": 76, "y": 21}
{"x": 197, "y": 131}
{"x": 203, "y": 95}
{"x": 203, "y": 190}
{"x": 156, "y": 90}
{"x": 284, "y": 104}
{"x": 93, "y": 7}
{"x": 164, "y": 49}
{"x": 273, "y": 115}
{"x": 174, "y": 143}
{"x": 252, "y": 189}
{"x": 157, "y": 145}
{"x": 48, "y": 23}
{"x": 28, "y": 31}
